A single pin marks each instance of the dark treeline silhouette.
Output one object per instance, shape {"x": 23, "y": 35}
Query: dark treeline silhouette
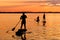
{"x": 26, "y": 12}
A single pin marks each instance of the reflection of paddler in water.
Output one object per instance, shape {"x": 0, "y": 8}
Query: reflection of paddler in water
{"x": 23, "y": 37}
{"x": 23, "y": 22}
{"x": 37, "y": 19}
{"x": 44, "y": 19}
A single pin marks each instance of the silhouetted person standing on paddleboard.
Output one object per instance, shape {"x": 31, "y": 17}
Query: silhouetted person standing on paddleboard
{"x": 44, "y": 16}
{"x": 23, "y": 18}
{"x": 44, "y": 19}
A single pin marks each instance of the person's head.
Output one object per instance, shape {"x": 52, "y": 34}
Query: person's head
{"x": 23, "y": 13}
{"x": 38, "y": 16}
{"x": 44, "y": 13}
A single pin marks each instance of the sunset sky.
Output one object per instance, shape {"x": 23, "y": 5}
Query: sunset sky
{"x": 29, "y": 5}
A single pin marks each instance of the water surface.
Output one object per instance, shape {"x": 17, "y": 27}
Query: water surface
{"x": 51, "y": 31}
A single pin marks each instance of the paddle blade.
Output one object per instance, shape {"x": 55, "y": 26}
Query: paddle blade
{"x": 13, "y": 29}
{"x": 7, "y": 32}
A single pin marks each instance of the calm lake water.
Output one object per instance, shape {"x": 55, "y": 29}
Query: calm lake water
{"x": 35, "y": 31}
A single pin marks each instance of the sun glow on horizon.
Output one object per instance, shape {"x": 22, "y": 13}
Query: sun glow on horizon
{"x": 29, "y": 5}
{"x": 27, "y": 2}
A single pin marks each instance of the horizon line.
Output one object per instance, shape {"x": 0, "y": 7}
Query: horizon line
{"x": 24, "y": 12}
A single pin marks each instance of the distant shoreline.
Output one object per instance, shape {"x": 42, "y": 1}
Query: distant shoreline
{"x": 26, "y": 12}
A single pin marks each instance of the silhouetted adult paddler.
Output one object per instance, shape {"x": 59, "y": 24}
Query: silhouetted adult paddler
{"x": 23, "y": 20}
{"x": 44, "y": 16}
{"x": 44, "y": 19}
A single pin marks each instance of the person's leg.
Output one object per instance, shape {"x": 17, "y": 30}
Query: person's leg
{"x": 21, "y": 25}
{"x": 24, "y": 25}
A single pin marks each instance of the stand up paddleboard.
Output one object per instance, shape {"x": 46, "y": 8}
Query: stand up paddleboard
{"x": 20, "y": 32}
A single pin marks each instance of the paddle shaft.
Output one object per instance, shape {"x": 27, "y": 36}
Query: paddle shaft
{"x": 15, "y": 26}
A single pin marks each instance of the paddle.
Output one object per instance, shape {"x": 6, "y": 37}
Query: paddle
{"x": 15, "y": 26}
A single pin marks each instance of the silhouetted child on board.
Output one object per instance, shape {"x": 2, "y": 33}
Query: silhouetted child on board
{"x": 23, "y": 22}
{"x": 37, "y": 20}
